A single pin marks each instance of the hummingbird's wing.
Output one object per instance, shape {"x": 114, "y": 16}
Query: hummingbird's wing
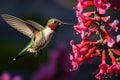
{"x": 35, "y": 24}
{"x": 25, "y": 27}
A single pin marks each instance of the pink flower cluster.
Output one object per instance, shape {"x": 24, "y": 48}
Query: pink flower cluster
{"x": 7, "y": 76}
{"x": 95, "y": 23}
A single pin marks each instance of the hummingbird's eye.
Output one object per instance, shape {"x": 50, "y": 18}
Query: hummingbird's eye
{"x": 55, "y": 22}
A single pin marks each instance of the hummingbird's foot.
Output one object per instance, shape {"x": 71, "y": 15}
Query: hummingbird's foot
{"x": 36, "y": 54}
{"x": 32, "y": 50}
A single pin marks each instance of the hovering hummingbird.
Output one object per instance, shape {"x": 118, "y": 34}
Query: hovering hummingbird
{"x": 40, "y": 36}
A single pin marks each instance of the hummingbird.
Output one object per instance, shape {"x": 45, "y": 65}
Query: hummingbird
{"x": 40, "y": 36}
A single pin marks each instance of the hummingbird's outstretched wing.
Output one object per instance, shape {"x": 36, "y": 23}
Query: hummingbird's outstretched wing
{"x": 35, "y": 24}
{"x": 28, "y": 28}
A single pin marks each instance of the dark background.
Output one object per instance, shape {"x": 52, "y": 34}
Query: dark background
{"x": 12, "y": 42}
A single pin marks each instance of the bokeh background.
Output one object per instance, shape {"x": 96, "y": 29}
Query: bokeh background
{"x": 12, "y": 42}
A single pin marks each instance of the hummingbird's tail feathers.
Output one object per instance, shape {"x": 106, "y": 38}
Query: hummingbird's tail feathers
{"x": 20, "y": 55}
{"x": 24, "y": 52}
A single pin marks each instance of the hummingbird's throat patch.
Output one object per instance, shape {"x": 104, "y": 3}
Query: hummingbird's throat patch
{"x": 54, "y": 27}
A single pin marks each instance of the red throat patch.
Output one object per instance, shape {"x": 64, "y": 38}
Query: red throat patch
{"x": 54, "y": 27}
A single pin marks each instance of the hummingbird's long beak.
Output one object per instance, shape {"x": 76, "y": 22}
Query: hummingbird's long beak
{"x": 67, "y": 23}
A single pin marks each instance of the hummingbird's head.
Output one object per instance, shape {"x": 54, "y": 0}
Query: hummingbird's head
{"x": 54, "y": 24}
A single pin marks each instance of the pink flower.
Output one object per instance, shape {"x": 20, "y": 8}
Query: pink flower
{"x": 75, "y": 49}
{"x": 82, "y": 4}
{"x": 7, "y": 76}
{"x": 79, "y": 8}
{"x": 110, "y": 40}
{"x": 103, "y": 71}
{"x": 118, "y": 38}
{"x": 102, "y": 6}
{"x": 17, "y": 78}
{"x": 82, "y": 52}
{"x": 80, "y": 28}
{"x": 114, "y": 26}
{"x": 103, "y": 68}
{"x": 74, "y": 63}
{"x": 83, "y": 24}
{"x": 114, "y": 69}
{"x": 79, "y": 49}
